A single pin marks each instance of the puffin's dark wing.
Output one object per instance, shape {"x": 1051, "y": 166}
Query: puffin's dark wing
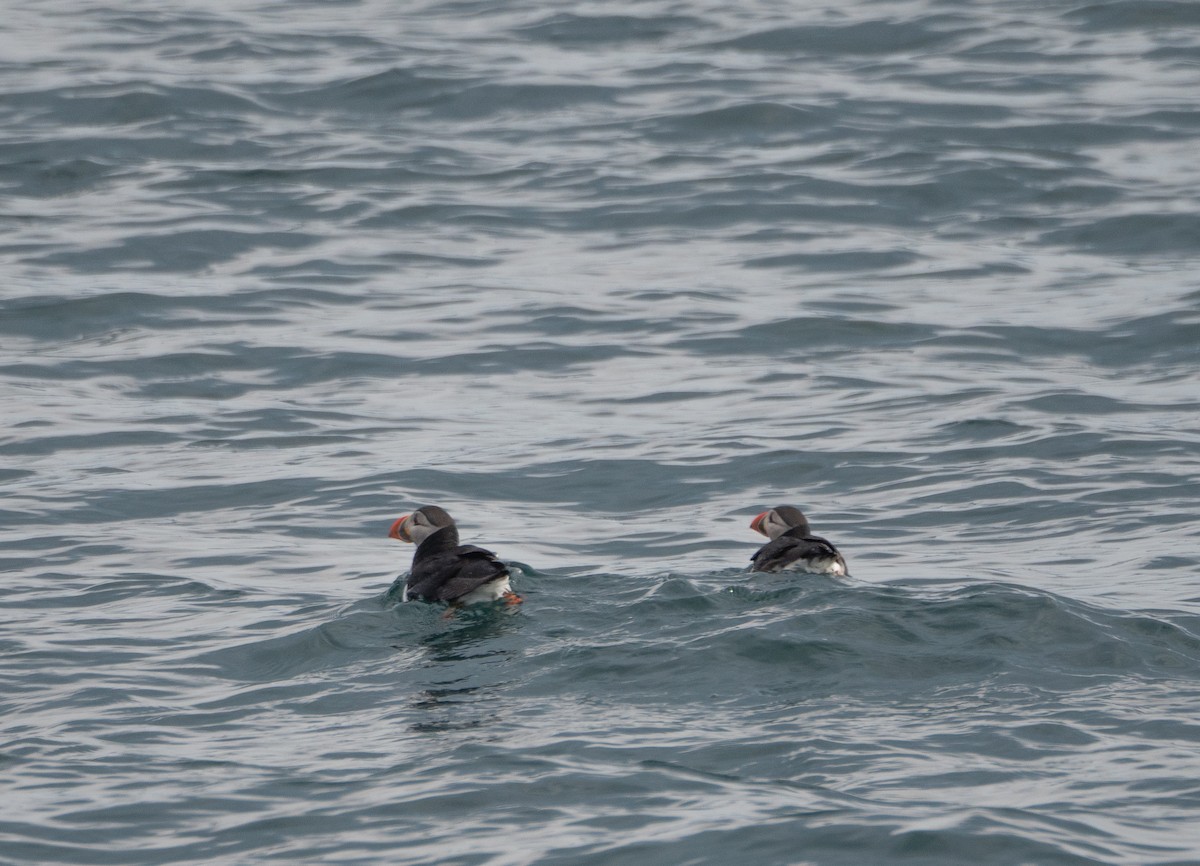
{"x": 788, "y": 549}
{"x": 452, "y": 574}
{"x": 771, "y": 555}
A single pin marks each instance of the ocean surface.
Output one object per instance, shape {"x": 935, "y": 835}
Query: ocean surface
{"x": 604, "y": 280}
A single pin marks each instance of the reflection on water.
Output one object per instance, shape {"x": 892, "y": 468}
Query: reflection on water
{"x": 467, "y": 666}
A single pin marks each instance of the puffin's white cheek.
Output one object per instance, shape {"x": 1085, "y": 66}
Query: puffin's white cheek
{"x": 418, "y": 532}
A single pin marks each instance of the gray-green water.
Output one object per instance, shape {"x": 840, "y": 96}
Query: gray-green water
{"x": 604, "y": 282}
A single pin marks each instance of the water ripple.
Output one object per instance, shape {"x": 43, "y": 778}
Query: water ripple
{"x": 604, "y": 283}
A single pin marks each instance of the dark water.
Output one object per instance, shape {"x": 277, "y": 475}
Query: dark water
{"x": 605, "y": 283}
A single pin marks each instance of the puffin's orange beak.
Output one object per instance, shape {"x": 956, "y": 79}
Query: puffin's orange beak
{"x": 756, "y": 523}
{"x": 397, "y": 531}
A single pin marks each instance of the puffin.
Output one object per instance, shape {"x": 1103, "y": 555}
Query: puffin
{"x": 444, "y": 570}
{"x": 793, "y": 547}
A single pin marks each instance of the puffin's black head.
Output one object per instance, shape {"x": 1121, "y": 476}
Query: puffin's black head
{"x": 780, "y": 519}
{"x": 419, "y": 525}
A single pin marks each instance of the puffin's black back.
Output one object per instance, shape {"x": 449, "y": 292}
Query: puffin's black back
{"x": 444, "y": 570}
{"x": 793, "y": 545}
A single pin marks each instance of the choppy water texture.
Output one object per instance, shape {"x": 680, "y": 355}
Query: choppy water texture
{"x": 604, "y": 282}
